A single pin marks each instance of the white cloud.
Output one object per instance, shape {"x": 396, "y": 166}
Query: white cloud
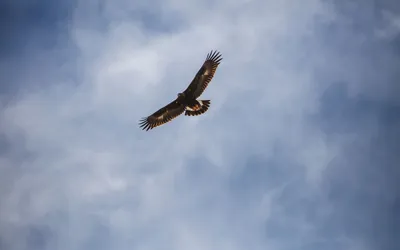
{"x": 93, "y": 164}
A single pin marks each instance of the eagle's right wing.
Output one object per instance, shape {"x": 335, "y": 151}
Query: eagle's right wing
{"x": 162, "y": 116}
{"x": 204, "y": 76}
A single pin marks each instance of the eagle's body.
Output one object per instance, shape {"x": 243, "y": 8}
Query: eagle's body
{"x": 187, "y": 101}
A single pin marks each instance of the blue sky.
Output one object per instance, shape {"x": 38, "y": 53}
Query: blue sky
{"x": 299, "y": 149}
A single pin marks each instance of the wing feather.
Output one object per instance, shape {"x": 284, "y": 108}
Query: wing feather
{"x": 161, "y": 116}
{"x": 204, "y": 75}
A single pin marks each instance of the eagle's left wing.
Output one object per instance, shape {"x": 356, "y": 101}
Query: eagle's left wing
{"x": 162, "y": 116}
{"x": 204, "y": 75}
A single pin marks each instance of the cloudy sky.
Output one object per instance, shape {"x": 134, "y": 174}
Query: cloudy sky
{"x": 298, "y": 151}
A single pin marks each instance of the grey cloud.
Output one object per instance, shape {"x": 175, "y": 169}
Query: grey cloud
{"x": 269, "y": 166}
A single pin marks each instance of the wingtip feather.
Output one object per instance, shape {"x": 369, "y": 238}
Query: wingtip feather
{"x": 215, "y": 56}
{"x": 144, "y": 124}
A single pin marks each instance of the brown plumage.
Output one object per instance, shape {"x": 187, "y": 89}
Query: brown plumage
{"x": 198, "y": 108}
{"x": 187, "y": 101}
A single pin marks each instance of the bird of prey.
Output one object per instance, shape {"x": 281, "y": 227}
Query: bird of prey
{"x": 187, "y": 100}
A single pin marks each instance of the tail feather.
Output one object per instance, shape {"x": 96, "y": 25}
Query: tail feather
{"x": 201, "y": 107}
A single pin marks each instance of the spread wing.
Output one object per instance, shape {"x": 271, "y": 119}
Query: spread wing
{"x": 204, "y": 75}
{"x": 162, "y": 116}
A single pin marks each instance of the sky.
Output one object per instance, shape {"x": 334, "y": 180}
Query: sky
{"x": 298, "y": 150}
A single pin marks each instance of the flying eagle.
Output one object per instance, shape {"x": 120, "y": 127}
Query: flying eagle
{"x": 187, "y": 101}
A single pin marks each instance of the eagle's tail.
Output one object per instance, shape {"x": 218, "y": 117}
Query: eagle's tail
{"x": 198, "y": 109}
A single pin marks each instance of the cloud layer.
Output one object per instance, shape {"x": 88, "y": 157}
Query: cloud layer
{"x": 297, "y": 151}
